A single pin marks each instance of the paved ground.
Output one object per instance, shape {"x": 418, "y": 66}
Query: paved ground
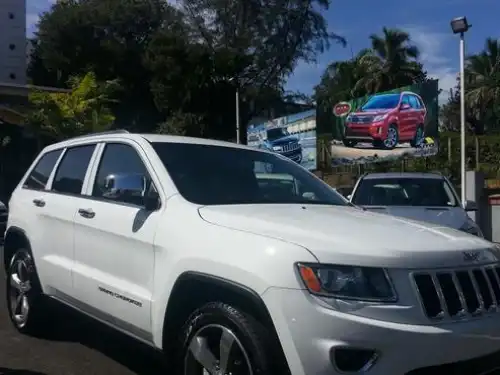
{"x": 78, "y": 346}
{"x": 366, "y": 150}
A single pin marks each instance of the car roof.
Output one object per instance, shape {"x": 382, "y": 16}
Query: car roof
{"x": 381, "y": 176}
{"x": 100, "y": 137}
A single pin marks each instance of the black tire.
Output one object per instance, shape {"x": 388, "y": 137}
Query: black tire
{"x": 32, "y": 320}
{"x": 392, "y": 128}
{"x": 415, "y": 141}
{"x": 246, "y": 332}
{"x": 349, "y": 142}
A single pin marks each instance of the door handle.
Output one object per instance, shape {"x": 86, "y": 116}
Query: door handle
{"x": 86, "y": 213}
{"x": 39, "y": 202}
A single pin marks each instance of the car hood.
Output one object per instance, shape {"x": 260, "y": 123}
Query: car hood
{"x": 284, "y": 140}
{"x": 453, "y": 217}
{"x": 345, "y": 235}
{"x": 372, "y": 112}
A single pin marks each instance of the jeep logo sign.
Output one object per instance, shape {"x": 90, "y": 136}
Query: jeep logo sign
{"x": 342, "y": 109}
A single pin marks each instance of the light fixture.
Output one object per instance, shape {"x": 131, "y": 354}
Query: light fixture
{"x": 459, "y": 25}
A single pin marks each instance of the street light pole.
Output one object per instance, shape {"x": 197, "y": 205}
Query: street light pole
{"x": 460, "y": 26}
{"x": 462, "y": 121}
{"x": 237, "y": 115}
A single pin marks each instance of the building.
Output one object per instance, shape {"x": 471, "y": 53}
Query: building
{"x": 13, "y": 41}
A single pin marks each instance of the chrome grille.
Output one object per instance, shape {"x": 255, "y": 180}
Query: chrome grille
{"x": 460, "y": 293}
{"x": 361, "y": 119}
{"x": 289, "y": 147}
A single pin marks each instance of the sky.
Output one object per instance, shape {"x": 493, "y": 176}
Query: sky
{"x": 427, "y": 21}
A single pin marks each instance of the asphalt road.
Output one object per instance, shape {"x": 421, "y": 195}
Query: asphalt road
{"x": 77, "y": 345}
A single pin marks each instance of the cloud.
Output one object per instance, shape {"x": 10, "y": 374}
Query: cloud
{"x": 431, "y": 45}
{"x": 31, "y": 22}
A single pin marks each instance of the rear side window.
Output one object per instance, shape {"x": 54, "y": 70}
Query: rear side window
{"x": 72, "y": 169}
{"x": 414, "y": 102}
{"x": 39, "y": 176}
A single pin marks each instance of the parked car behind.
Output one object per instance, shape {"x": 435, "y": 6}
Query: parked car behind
{"x": 279, "y": 140}
{"x": 420, "y": 196}
{"x": 386, "y": 120}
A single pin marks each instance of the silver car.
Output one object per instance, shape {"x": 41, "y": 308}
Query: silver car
{"x": 426, "y": 197}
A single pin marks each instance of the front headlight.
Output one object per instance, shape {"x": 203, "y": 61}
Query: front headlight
{"x": 277, "y": 148}
{"x": 471, "y": 228}
{"x": 380, "y": 117}
{"x": 348, "y": 282}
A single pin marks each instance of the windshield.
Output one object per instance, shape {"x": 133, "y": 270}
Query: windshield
{"x": 381, "y": 102}
{"x": 217, "y": 175}
{"x": 427, "y": 192}
{"x": 276, "y": 133}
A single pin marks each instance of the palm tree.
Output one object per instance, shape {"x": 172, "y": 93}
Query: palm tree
{"x": 483, "y": 77}
{"x": 339, "y": 80}
{"x": 391, "y": 62}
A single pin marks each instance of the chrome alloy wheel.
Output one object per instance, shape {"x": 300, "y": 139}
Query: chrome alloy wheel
{"x": 19, "y": 288}
{"x": 215, "y": 350}
{"x": 392, "y": 138}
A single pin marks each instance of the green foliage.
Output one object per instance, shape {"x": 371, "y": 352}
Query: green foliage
{"x": 482, "y": 93}
{"x": 188, "y": 59}
{"x": 82, "y": 110}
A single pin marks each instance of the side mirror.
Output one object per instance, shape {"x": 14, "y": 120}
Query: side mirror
{"x": 405, "y": 107}
{"x": 470, "y": 206}
{"x": 130, "y": 188}
{"x": 348, "y": 197}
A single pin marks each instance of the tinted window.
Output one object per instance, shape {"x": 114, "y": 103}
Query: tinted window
{"x": 72, "y": 169}
{"x": 39, "y": 176}
{"x": 414, "y": 102}
{"x": 406, "y": 100}
{"x": 428, "y": 192}
{"x": 118, "y": 159}
{"x": 216, "y": 175}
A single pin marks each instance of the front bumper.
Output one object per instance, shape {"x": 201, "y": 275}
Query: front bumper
{"x": 365, "y": 132}
{"x": 295, "y": 155}
{"x": 310, "y": 333}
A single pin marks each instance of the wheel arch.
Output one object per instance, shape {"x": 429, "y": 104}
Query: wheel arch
{"x": 15, "y": 238}
{"x": 193, "y": 289}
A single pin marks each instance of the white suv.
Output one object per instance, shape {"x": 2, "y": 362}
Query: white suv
{"x": 176, "y": 242}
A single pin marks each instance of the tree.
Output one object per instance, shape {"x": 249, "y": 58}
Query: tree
{"x": 82, "y": 110}
{"x": 391, "y": 62}
{"x": 338, "y": 82}
{"x": 482, "y": 93}
{"x": 188, "y": 60}
{"x": 483, "y": 83}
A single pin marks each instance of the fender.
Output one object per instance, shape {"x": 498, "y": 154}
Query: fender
{"x": 11, "y": 234}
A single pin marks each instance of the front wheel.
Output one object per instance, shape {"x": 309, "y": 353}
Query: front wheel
{"x": 220, "y": 339}
{"x": 392, "y": 139}
{"x": 25, "y": 300}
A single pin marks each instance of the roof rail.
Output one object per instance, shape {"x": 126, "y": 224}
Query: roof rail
{"x": 117, "y": 131}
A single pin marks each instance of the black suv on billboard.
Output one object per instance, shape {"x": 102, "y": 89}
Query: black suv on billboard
{"x": 279, "y": 140}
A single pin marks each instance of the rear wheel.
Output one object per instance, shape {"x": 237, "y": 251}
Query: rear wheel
{"x": 25, "y": 300}
{"x": 220, "y": 339}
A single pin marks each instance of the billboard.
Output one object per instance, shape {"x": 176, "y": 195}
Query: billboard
{"x": 293, "y": 136}
{"x": 383, "y": 126}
